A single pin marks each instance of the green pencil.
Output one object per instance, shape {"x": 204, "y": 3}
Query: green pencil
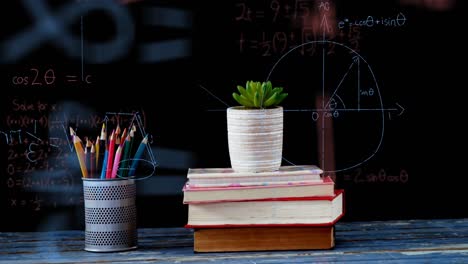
{"x": 132, "y": 138}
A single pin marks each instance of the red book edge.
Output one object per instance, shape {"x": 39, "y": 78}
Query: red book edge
{"x": 337, "y": 192}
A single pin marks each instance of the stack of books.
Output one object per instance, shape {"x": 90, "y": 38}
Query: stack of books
{"x": 292, "y": 208}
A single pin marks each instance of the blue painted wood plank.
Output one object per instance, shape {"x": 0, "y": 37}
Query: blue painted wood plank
{"x": 440, "y": 241}
{"x": 393, "y": 242}
{"x": 345, "y": 241}
{"x": 278, "y": 257}
{"x": 402, "y": 224}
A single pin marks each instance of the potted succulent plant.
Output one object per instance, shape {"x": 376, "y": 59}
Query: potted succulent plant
{"x": 255, "y": 129}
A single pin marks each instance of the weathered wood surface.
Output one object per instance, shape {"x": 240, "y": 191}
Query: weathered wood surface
{"x": 427, "y": 241}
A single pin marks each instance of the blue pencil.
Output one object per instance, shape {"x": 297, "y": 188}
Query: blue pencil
{"x": 104, "y": 165}
{"x": 103, "y": 142}
{"x": 138, "y": 155}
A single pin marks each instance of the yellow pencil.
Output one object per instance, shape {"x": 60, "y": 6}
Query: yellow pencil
{"x": 80, "y": 154}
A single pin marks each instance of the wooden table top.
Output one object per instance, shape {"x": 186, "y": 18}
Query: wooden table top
{"x": 428, "y": 241}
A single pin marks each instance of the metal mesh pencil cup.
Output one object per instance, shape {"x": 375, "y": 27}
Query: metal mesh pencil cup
{"x": 110, "y": 214}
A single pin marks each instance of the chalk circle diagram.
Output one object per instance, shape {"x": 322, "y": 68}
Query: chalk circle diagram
{"x": 349, "y": 96}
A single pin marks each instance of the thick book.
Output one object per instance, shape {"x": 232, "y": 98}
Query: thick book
{"x": 307, "y": 211}
{"x": 263, "y": 238}
{"x": 324, "y": 187}
{"x": 222, "y": 177}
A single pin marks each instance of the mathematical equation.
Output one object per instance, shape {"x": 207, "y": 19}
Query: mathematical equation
{"x": 274, "y": 11}
{"x": 361, "y": 176}
{"x": 31, "y": 182}
{"x": 398, "y": 20}
{"x": 19, "y": 122}
{"x": 309, "y": 21}
{"x": 36, "y": 164}
{"x": 267, "y": 43}
{"x": 44, "y": 121}
{"x": 37, "y": 155}
{"x": 36, "y": 77}
{"x": 37, "y": 202}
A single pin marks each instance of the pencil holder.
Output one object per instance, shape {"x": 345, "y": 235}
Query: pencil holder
{"x": 110, "y": 214}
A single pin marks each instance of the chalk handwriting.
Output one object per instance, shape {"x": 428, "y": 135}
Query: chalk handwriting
{"x": 273, "y": 11}
{"x": 36, "y": 153}
{"x": 262, "y": 32}
{"x": 398, "y": 20}
{"x": 270, "y": 43}
{"x": 360, "y": 175}
{"x": 47, "y": 77}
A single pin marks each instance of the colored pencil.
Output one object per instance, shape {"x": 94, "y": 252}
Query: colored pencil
{"x": 97, "y": 149}
{"x": 88, "y": 143}
{"x": 73, "y": 134}
{"x": 92, "y": 162}
{"x": 110, "y": 157}
{"x": 132, "y": 135}
{"x": 132, "y": 139}
{"x": 124, "y": 135}
{"x": 138, "y": 156}
{"x": 118, "y": 155}
{"x": 80, "y": 154}
{"x": 117, "y": 135}
{"x": 103, "y": 132}
{"x": 104, "y": 165}
{"x": 87, "y": 152}
{"x": 126, "y": 154}
{"x": 104, "y": 147}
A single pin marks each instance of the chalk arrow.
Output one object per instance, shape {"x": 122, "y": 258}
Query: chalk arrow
{"x": 356, "y": 59}
{"x": 402, "y": 109}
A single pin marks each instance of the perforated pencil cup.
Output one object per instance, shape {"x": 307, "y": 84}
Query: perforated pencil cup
{"x": 110, "y": 214}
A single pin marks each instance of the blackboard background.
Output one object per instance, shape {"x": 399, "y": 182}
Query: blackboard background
{"x": 416, "y": 66}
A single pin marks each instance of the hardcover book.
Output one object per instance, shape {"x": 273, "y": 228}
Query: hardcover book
{"x": 324, "y": 187}
{"x": 307, "y": 211}
{"x": 263, "y": 238}
{"x": 222, "y": 177}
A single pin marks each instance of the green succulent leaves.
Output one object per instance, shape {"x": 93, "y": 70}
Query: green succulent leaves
{"x": 259, "y": 95}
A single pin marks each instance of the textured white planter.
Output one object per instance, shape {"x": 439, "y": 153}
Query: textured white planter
{"x": 255, "y": 138}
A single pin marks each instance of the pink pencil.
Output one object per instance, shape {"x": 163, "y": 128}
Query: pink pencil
{"x": 118, "y": 154}
{"x": 110, "y": 158}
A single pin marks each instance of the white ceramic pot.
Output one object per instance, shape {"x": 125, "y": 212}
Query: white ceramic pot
{"x": 255, "y": 138}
